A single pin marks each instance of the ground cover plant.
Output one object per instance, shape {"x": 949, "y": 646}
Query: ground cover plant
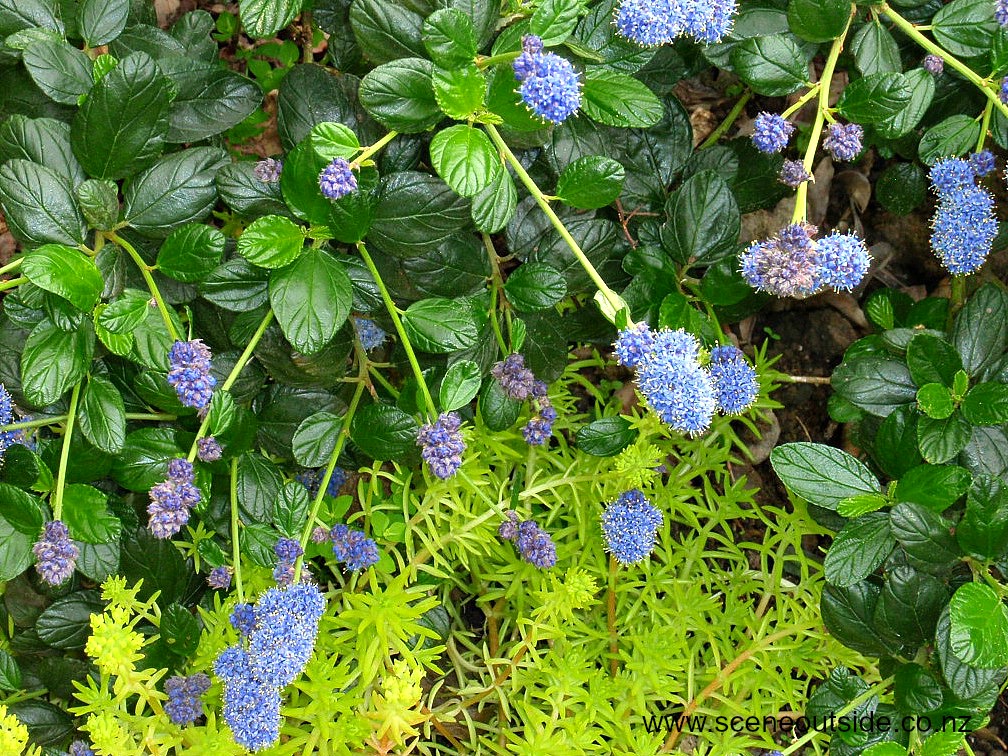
{"x": 385, "y": 377}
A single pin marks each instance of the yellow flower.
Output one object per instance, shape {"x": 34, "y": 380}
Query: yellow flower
{"x": 113, "y": 644}
{"x": 395, "y": 709}
{"x": 13, "y": 734}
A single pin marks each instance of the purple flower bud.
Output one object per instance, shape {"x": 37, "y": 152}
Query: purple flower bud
{"x": 189, "y": 373}
{"x": 55, "y": 554}
{"x": 843, "y": 141}
{"x": 208, "y": 450}
{"x": 337, "y": 179}
{"x": 933, "y": 64}
{"x": 793, "y": 174}
{"x": 268, "y": 170}
{"x": 184, "y": 706}
{"x": 219, "y": 578}
{"x": 771, "y": 132}
{"x": 735, "y": 383}
{"x": 442, "y": 445}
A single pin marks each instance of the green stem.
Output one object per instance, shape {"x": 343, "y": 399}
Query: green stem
{"x": 812, "y": 92}
{"x": 967, "y": 73}
{"x": 809, "y": 736}
{"x": 232, "y": 377}
{"x": 397, "y": 322}
{"x": 956, "y": 299}
{"x": 496, "y": 290}
{"x": 492, "y": 60}
{"x": 235, "y": 546}
{"x": 11, "y": 266}
{"x": 65, "y": 453}
{"x": 381, "y": 379}
{"x": 729, "y": 119}
{"x": 13, "y": 283}
{"x": 145, "y": 270}
{"x": 56, "y": 419}
{"x": 151, "y": 416}
{"x": 801, "y": 196}
{"x": 369, "y": 151}
{"x": 985, "y": 125}
{"x": 327, "y": 476}
{"x": 611, "y": 303}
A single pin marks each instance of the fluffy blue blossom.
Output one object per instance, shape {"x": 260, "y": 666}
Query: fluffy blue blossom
{"x": 233, "y": 662}
{"x": 771, "y": 132}
{"x": 630, "y": 525}
{"x": 735, "y": 384}
{"x": 371, "y": 336}
{"x": 680, "y": 392}
{"x": 951, "y": 175}
{"x": 80, "y": 748}
{"x": 268, "y": 170}
{"x": 171, "y": 500}
{"x": 189, "y": 373}
{"x": 508, "y": 529}
{"x": 208, "y": 449}
{"x": 312, "y": 479}
{"x": 287, "y": 549}
{"x": 1003, "y": 91}
{"x": 539, "y": 428}
{"x": 1001, "y": 12}
{"x": 783, "y": 265}
{"x": 337, "y": 179}
{"x": 963, "y": 230}
{"x": 982, "y": 162}
{"x": 55, "y": 554}
{"x": 843, "y": 141}
{"x": 8, "y": 438}
{"x": 793, "y": 174}
{"x": 442, "y": 445}
{"x": 243, "y": 619}
{"x": 252, "y": 711}
{"x": 219, "y": 578}
{"x": 535, "y": 545}
{"x": 633, "y": 344}
{"x": 184, "y": 706}
{"x": 677, "y": 344}
{"x": 708, "y": 21}
{"x": 933, "y": 64}
{"x": 549, "y": 85}
{"x": 648, "y": 22}
{"x": 516, "y": 380}
{"x": 352, "y": 548}
{"x": 282, "y": 642}
{"x": 842, "y": 261}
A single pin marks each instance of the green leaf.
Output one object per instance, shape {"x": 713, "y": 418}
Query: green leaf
{"x": 875, "y": 98}
{"x": 975, "y": 688}
{"x": 311, "y": 299}
{"x": 459, "y": 386}
{"x": 210, "y": 101}
{"x": 259, "y": 482}
{"x": 933, "y": 486}
{"x": 41, "y": 140}
{"x": 943, "y": 742}
{"x": 177, "y": 189}
{"x": 818, "y": 20}
{"x": 983, "y": 530}
{"x": 66, "y": 622}
{"x": 101, "y": 21}
{"x": 535, "y": 286}
{"x": 821, "y": 474}
{"x": 941, "y": 439}
{"x": 15, "y": 551}
{"x": 315, "y": 439}
{"x": 383, "y": 431}
{"x": 616, "y": 99}
{"x": 439, "y": 326}
{"x": 264, "y": 18}
{"x": 10, "y": 673}
{"x": 885, "y": 749}
{"x": 965, "y": 27}
{"x": 855, "y": 506}
{"x": 459, "y": 92}
{"x": 449, "y": 37}
{"x": 103, "y": 415}
{"x": 914, "y": 690}
{"x": 66, "y": 272}
{"x": 703, "y": 220}
{"x": 331, "y": 140}
{"x": 909, "y": 606}
{"x": 874, "y": 382}
{"x": 386, "y": 30}
{"x": 773, "y": 65}
{"x": 99, "y": 202}
{"x": 39, "y": 205}
{"x": 986, "y": 404}
{"x": 932, "y": 360}
{"x": 590, "y": 182}
{"x": 495, "y": 205}
{"x": 607, "y": 436}
{"x": 53, "y": 360}
{"x": 143, "y": 462}
{"x": 554, "y": 20}
{"x": 179, "y": 630}
{"x": 875, "y": 50}
{"x": 125, "y": 313}
{"x": 86, "y": 514}
{"x": 954, "y": 136}
{"x": 979, "y": 633}
{"x": 271, "y": 241}
{"x": 60, "y": 70}
{"x": 922, "y": 89}
{"x": 901, "y": 188}
{"x": 20, "y": 510}
{"x": 465, "y": 158}
{"x": 858, "y": 549}
{"x": 291, "y": 509}
{"x": 400, "y": 95}
{"x": 935, "y": 401}
{"x": 924, "y": 535}
{"x": 980, "y": 332}
{"x": 498, "y": 410}
{"x": 122, "y": 125}
{"x": 26, "y": 14}
{"x": 416, "y": 212}
{"x": 847, "y": 613}
{"x": 191, "y": 252}
{"x": 236, "y": 285}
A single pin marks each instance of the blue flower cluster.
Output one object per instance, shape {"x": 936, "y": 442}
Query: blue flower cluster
{"x": 80, "y": 748}
{"x": 287, "y": 551}
{"x": 982, "y": 162}
{"x": 533, "y": 543}
{"x": 793, "y": 173}
{"x": 219, "y": 578}
{"x": 843, "y": 141}
{"x": 171, "y": 500}
{"x": 312, "y": 479}
{"x": 548, "y": 84}
{"x": 55, "y": 554}
{"x": 1001, "y": 12}
{"x": 630, "y": 526}
{"x": 371, "y": 336}
{"x": 189, "y": 373}
{"x": 337, "y": 179}
{"x": 1003, "y": 91}
{"x": 735, "y": 383}
{"x": 519, "y": 383}
{"x": 964, "y": 225}
{"x": 634, "y": 344}
{"x": 11, "y": 437}
{"x": 280, "y": 639}
{"x": 268, "y": 170}
{"x": 208, "y": 449}
{"x": 657, "y": 22}
{"x": 442, "y": 445}
{"x": 771, "y": 132}
{"x": 352, "y": 548}
{"x": 184, "y": 706}
{"x": 794, "y": 264}
{"x": 933, "y": 64}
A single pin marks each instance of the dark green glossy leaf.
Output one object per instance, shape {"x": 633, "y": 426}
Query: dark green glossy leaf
{"x": 965, "y": 27}
{"x": 901, "y": 188}
{"x": 954, "y": 136}
{"x": 923, "y": 534}
{"x": 60, "y": 70}
{"x": 315, "y": 439}
{"x": 616, "y": 99}
{"x": 986, "y": 404}
{"x": 847, "y": 613}
{"x": 932, "y": 360}
{"x": 400, "y": 95}
{"x": 495, "y": 204}
{"x": 590, "y": 182}
{"x": 143, "y": 462}
{"x": 191, "y": 252}
{"x": 449, "y": 37}
{"x": 103, "y": 415}
{"x": 535, "y": 286}
{"x": 259, "y": 482}
{"x": 817, "y": 20}
{"x": 773, "y": 65}
{"x": 858, "y": 549}
{"x": 415, "y": 213}
{"x": 940, "y": 440}
{"x": 87, "y": 516}
{"x": 66, "y": 272}
{"x": 21, "y": 510}
{"x": 292, "y": 508}
{"x": 101, "y": 21}
{"x": 386, "y": 30}
{"x": 821, "y": 474}
{"x": 264, "y": 18}
{"x": 979, "y": 626}
{"x": 53, "y": 360}
{"x": 983, "y": 530}
{"x": 179, "y": 630}
{"x": 909, "y": 606}
{"x": 607, "y": 436}
{"x": 933, "y": 486}
{"x": 980, "y": 332}
{"x": 875, "y": 50}
{"x": 39, "y": 204}
{"x": 703, "y": 220}
{"x": 459, "y": 386}
{"x": 311, "y": 299}
{"x": 438, "y": 325}
{"x": 210, "y": 100}
{"x": 383, "y": 431}
{"x": 875, "y": 98}
{"x": 66, "y": 623}
{"x": 876, "y": 383}
{"x": 465, "y": 158}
